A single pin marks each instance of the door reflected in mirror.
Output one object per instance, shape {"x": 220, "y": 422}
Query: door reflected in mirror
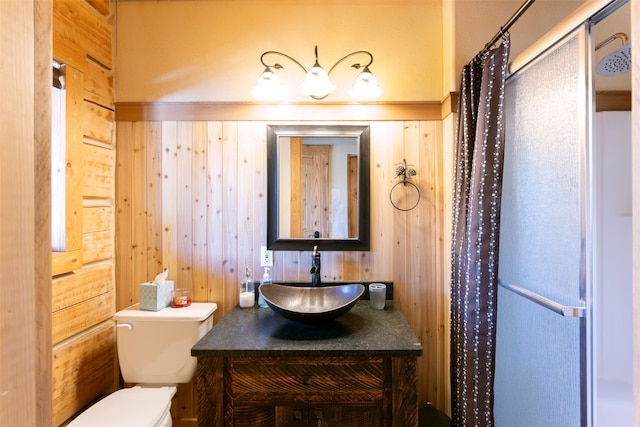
{"x": 318, "y": 187}
{"x": 318, "y": 182}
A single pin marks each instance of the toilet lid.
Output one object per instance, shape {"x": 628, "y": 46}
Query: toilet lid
{"x": 136, "y": 406}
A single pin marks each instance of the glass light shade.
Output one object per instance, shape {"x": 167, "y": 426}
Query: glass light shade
{"x": 317, "y": 83}
{"x": 365, "y": 87}
{"x": 269, "y": 88}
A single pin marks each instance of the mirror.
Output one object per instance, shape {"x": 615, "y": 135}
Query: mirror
{"x": 318, "y": 187}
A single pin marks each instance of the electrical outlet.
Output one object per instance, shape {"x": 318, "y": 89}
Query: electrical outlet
{"x": 266, "y": 257}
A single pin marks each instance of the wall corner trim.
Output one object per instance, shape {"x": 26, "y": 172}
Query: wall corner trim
{"x": 613, "y": 101}
{"x": 450, "y": 104}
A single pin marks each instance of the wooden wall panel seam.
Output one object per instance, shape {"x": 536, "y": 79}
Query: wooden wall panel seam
{"x": 79, "y": 286}
{"x": 76, "y": 318}
{"x": 101, "y": 6}
{"x": 99, "y": 85}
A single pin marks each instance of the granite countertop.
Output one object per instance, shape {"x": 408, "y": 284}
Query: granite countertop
{"x": 260, "y": 332}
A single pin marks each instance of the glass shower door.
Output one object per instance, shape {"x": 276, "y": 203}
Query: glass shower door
{"x": 542, "y": 355}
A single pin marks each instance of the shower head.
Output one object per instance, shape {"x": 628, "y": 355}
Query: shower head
{"x": 617, "y": 62}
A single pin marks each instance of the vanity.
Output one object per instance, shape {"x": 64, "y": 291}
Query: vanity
{"x": 257, "y": 369}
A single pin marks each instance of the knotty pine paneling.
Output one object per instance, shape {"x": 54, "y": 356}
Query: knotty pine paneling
{"x": 98, "y": 215}
{"x": 446, "y": 186}
{"x": 215, "y": 225}
{"x": 98, "y": 122}
{"x": 75, "y": 319}
{"x": 191, "y": 197}
{"x": 125, "y": 134}
{"x": 82, "y": 285}
{"x": 74, "y": 159}
{"x": 78, "y": 22}
{"x": 98, "y": 246}
{"x": 98, "y": 85}
{"x": 99, "y": 176}
{"x": 83, "y": 367}
{"x": 64, "y": 262}
{"x": 84, "y": 300}
{"x": 66, "y": 51}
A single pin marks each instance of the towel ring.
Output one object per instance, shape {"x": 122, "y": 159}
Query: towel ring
{"x": 404, "y": 184}
{"x": 403, "y": 170}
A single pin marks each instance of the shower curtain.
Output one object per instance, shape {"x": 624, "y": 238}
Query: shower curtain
{"x": 475, "y": 235}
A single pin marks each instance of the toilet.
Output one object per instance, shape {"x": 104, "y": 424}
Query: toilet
{"x": 154, "y": 352}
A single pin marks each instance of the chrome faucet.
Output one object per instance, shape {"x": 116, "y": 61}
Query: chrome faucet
{"x": 315, "y": 268}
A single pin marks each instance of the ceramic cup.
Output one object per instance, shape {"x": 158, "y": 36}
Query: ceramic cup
{"x": 377, "y": 295}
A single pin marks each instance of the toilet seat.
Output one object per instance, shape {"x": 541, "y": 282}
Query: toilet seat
{"x": 130, "y": 407}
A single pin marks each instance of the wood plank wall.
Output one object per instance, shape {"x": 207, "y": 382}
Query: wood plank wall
{"x": 25, "y": 227}
{"x": 83, "y": 303}
{"x": 191, "y": 197}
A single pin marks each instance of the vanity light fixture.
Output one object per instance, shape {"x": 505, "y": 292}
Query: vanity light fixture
{"x": 317, "y": 83}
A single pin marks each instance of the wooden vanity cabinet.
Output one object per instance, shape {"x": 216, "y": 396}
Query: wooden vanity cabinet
{"x": 304, "y": 391}
{"x": 308, "y": 392}
{"x": 316, "y": 414}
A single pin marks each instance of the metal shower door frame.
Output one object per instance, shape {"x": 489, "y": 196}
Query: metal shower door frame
{"x": 582, "y": 309}
{"x": 582, "y": 22}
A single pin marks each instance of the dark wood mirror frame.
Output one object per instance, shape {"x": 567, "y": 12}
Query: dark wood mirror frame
{"x": 359, "y": 243}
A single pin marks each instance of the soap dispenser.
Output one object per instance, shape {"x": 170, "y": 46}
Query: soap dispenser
{"x": 247, "y": 291}
{"x": 265, "y": 279}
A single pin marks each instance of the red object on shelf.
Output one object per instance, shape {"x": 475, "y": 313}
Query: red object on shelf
{"x": 181, "y": 298}
{"x": 178, "y": 302}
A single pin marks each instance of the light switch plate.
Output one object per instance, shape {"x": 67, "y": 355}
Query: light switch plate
{"x": 266, "y": 257}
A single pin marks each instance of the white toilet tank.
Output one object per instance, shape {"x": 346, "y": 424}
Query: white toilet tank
{"x": 154, "y": 347}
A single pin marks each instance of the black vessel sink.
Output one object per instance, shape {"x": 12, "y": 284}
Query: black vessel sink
{"x": 311, "y": 304}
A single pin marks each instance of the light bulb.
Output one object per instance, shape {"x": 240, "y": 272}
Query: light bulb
{"x": 269, "y": 88}
{"x": 317, "y": 83}
{"x": 365, "y": 87}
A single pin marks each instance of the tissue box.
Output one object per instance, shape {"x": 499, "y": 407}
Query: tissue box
{"x": 154, "y": 297}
